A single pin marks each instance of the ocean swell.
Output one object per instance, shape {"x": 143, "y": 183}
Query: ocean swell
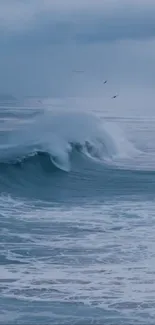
{"x": 59, "y": 135}
{"x": 69, "y": 156}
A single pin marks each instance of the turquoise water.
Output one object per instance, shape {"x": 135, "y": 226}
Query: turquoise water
{"x": 77, "y": 220}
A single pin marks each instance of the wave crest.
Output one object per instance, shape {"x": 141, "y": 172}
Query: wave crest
{"x": 58, "y": 134}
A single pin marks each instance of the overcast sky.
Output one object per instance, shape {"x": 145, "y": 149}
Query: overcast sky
{"x": 41, "y": 42}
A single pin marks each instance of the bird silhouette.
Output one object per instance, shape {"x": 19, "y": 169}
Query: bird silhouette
{"x": 114, "y": 96}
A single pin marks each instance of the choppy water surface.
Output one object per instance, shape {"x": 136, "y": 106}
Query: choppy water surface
{"x": 77, "y": 220}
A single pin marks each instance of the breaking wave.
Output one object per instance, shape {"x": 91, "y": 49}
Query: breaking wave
{"x": 58, "y": 135}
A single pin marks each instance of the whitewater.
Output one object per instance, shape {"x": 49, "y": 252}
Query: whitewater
{"x": 77, "y": 221}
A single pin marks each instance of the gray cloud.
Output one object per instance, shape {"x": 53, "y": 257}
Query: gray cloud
{"x": 46, "y": 23}
{"x": 41, "y": 43}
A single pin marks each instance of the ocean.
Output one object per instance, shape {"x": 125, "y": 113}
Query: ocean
{"x": 77, "y": 217}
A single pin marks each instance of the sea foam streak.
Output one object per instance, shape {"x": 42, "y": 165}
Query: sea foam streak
{"x": 59, "y": 133}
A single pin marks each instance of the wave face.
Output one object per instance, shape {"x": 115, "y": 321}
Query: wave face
{"x": 66, "y": 150}
{"x": 59, "y": 134}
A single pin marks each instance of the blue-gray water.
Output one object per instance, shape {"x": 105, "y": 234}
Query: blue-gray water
{"x": 77, "y": 220}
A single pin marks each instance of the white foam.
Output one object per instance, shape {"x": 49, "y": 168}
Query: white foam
{"x": 58, "y": 132}
{"x": 107, "y": 264}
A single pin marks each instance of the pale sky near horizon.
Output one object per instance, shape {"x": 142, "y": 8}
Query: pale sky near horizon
{"x": 41, "y": 43}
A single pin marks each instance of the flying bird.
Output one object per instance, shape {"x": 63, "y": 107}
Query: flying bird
{"x": 114, "y": 96}
{"x": 105, "y": 81}
{"x": 78, "y": 71}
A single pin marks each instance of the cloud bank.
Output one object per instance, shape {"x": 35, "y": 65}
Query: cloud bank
{"x": 82, "y": 21}
{"x": 42, "y": 41}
